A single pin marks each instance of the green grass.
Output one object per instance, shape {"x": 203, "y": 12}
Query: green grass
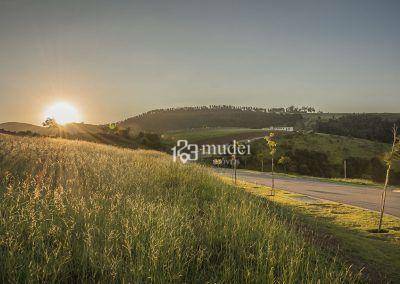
{"x": 81, "y": 212}
{"x": 347, "y": 227}
{"x": 202, "y": 134}
{"x": 336, "y": 147}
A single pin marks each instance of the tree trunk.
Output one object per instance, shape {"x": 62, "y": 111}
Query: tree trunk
{"x": 383, "y": 198}
{"x": 272, "y": 176}
{"x": 389, "y": 165}
{"x": 235, "y": 170}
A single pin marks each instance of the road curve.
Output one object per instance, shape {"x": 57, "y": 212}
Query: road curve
{"x": 357, "y": 195}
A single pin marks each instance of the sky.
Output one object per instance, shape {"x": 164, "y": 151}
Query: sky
{"x": 116, "y": 59}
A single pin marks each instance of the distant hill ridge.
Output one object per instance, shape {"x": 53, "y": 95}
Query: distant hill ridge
{"x": 364, "y": 125}
{"x": 70, "y": 128}
{"x": 214, "y": 116}
{"x": 23, "y": 127}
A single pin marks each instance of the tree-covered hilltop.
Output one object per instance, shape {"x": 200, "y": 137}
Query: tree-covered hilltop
{"x": 375, "y": 127}
{"x": 215, "y": 116}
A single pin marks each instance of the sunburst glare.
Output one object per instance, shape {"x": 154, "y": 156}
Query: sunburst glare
{"x": 63, "y": 113}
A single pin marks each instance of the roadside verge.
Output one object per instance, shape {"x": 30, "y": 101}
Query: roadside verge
{"x": 347, "y": 229}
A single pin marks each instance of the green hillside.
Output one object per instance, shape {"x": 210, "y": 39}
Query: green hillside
{"x": 185, "y": 118}
{"x": 314, "y": 154}
{"x": 336, "y": 147}
{"x": 372, "y": 126}
{"x": 81, "y": 212}
{"x": 376, "y": 127}
{"x": 208, "y": 135}
{"x": 201, "y": 117}
{"x": 323, "y": 155}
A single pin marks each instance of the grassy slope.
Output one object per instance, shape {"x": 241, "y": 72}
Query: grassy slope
{"x": 76, "y": 211}
{"x": 75, "y": 131}
{"x": 347, "y": 227}
{"x": 18, "y": 126}
{"x": 336, "y": 147}
{"x": 70, "y": 128}
{"x": 203, "y": 134}
{"x": 188, "y": 118}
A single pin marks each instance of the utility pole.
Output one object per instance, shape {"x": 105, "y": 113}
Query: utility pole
{"x": 234, "y": 168}
{"x": 234, "y": 161}
{"x": 272, "y": 148}
{"x": 345, "y": 168}
{"x": 273, "y": 178}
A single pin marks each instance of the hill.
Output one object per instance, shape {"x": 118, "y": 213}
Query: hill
{"x": 91, "y": 133}
{"x": 375, "y": 127}
{"x": 201, "y": 117}
{"x": 70, "y": 128}
{"x": 82, "y": 212}
{"x": 23, "y": 127}
{"x": 337, "y": 148}
{"x": 217, "y": 135}
{"x": 371, "y": 126}
{"x": 323, "y": 155}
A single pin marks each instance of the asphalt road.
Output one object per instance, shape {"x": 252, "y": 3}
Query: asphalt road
{"x": 357, "y": 195}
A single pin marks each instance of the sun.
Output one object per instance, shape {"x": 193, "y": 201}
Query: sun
{"x": 63, "y": 113}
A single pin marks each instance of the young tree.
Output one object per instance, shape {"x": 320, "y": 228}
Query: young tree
{"x": 272, "y": 150}
{"x": 234, "y": 167}
{"x": 285, "y": 161}
{"x": 393, "y": 155}
{"x": 261, "y": 157}
{"x": 113, "y": 128}
{"x": 245, "y": 156}
{"x": 50, "y": 123}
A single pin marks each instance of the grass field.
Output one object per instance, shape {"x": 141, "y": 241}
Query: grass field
{"x": 203, "y": 134}
{"x": 81, "y": 212}
{"x": 336, "y": 147}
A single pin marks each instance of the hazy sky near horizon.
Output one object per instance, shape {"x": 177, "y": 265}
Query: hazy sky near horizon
{"x": 115, "y": 59}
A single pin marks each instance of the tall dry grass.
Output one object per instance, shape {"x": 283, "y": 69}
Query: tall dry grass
{"x": 80, "y": 212}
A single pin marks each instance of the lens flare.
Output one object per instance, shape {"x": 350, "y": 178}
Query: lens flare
{"x": 63, "y": 113}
